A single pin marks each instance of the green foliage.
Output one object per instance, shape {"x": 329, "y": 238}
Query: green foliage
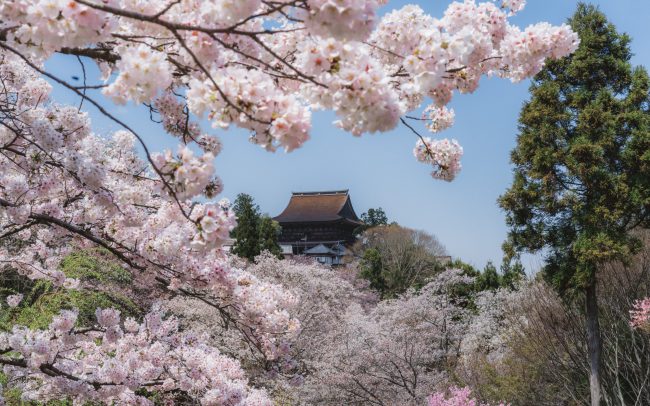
{"x": 395, "y": 259}
{"x": 512, "y": 272}
{"x": 464, "y": 293}
{"x": 247, "y": 244}
{"x": 91, "y": 265}
{"x": 375, "y": 217}
{"x": 38, "y": 314}
{"x": 269, "y": 230}
{"x": 11, "y": 395}
{"x": 42, "y": 300}
{"x": 468, "y": 270}
{"x": 372, "y": 218}
{"x": 371, "y": 269}
{"x": 254, "y": 232}
{"x": 489, "y": 279}
{"x": 582, "y": 160}
{"x": 522, "y": 382}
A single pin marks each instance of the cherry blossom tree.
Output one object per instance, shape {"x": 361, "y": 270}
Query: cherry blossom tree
{"x": 641, "y": 314}
{"x": 323, "y": 296}
{"x": 263, "y": 66}
{"x": 526, "y": 345}
{"x": 109, "y": 362}
{"x": 398, "y": 352}
{"x": 456, "y": 397}
{"x": 64, "y": 188}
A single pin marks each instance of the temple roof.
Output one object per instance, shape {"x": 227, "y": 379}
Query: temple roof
{"x": 319, "y": 206}
{"x": 320, "y": 249}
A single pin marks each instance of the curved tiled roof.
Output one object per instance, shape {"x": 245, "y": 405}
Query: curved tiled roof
{"x": 319, "y": 206}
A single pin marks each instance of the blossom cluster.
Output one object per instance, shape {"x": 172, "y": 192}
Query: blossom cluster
{"x": 514, "y": 5}
{"x": 444, "y": 155}
{"x": 187, "y": 174}
{"x": 14, "y": 300}
{"x": 456, "y": 397}
{"x": 525, "y": 51}
{"x": 640, "y": 314}
{"x": 265, "y": 66}
{"x": 176, "y": 121}
{"x": 110, "y": 361}
{"x": 49, "y": 25}
{"x": 343, "y": 19}
{"x": 438, "y": 118}
{"x": 275, "y": 118}
{"x": 74, "y": 189}
{"x": 450, "y": 54}
{"x": 229, "y": 12}
{"x": 363, "y": 100}
{"x": 215, "y": 223}
{"x": 365, "y": 350}
{"x": 143, "y": 72}
{"x": 322, "y": 296}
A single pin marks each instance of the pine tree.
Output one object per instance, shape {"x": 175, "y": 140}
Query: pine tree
{"x": 582, "y": 167}
{"x": 246, "y": 234}
{"x": 269, "y": 230}
{"x": 489, "y": 278}
{"x": 512, "y": 273}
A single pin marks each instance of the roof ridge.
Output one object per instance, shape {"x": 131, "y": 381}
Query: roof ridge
{"x": 322, "y": 193}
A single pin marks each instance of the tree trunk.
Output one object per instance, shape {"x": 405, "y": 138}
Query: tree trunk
{"x": 594, "y": 345}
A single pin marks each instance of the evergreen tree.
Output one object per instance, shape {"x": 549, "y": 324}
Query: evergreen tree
{"x": 468, "y": 270}
{"x": 372, "y": 218}
{"x": 371, "y": 269}
{"x": 512, "y": 273}
{"x": 375, "y": 217}
{"x": 269, "y": 230}
{"x": 254, "y": 232}
{"x": 247, "y": 244}
{"x": 489, "y": 278}
{"x": 582, "y": 167}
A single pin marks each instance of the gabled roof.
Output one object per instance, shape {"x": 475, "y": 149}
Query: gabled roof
{"x": 320, "y": 249}
{"x": 319, "y": 206}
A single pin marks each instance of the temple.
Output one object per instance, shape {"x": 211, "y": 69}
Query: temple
{"x": 318, "y": 224}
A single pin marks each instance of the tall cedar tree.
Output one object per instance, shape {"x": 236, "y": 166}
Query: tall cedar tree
{"x": 247, "y": 244}
{"x": 254, "y": 233}
{"x": 582, "y": 166}
{"x": 269, "y": 230}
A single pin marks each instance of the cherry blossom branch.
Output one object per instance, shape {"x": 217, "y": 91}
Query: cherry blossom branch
{"x": 429, "y": 152}
{"x": 107, "y": 114}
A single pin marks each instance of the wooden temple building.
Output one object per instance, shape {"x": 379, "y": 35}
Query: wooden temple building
{"x": 319, "y": 225}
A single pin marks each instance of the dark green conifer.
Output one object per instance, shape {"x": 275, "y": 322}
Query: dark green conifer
{"x": 582, "y": 166}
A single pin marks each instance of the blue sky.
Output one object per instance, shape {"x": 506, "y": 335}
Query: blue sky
{"x": 379, "y": 169}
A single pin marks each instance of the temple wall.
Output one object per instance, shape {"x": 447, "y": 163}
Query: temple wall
{"x": 316, "y": 232}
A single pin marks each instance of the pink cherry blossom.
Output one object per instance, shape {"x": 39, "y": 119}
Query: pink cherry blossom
{"x": 439, "y": 118}
{"x": 106, "y": 363}
{"x": 640, "y": 314}
{"x": 14, "y": 300}
{"x": 457, "y": 397}
{"x": 444, "y": 155}
{"x": 263, "y": 67}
